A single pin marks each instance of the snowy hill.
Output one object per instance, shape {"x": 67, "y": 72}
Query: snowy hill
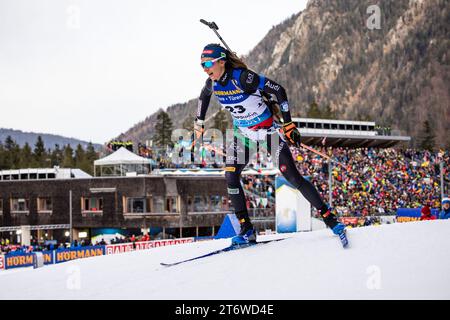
{"x": 401, "y": 261}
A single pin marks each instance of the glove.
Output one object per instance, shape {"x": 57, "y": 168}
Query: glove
{"x": 199, "y": 129}
{"x": 292, "y": 134}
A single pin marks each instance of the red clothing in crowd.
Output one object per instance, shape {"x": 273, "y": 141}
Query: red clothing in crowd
{"x": 426, "y": 214}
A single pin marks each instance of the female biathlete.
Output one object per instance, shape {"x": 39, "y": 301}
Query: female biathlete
{"x": 241, "y": 91}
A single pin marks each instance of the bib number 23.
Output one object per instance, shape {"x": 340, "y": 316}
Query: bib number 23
{"x": 235, "y": 109}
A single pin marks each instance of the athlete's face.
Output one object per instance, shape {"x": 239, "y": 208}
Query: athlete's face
{"x": 217, "y": 69}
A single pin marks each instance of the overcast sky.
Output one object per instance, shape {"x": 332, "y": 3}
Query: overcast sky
{"x": 91, "y": 69}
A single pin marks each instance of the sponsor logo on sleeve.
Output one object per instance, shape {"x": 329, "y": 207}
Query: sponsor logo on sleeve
{"x": 250, "y": 78}
{"x": 272, "y": 86}
{"x": 284, "y": 106}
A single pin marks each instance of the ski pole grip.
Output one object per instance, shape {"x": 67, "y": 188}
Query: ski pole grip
{"x": 212, "y": 24}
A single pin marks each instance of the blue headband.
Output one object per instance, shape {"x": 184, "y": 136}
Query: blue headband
{"x": 214, "y": 51}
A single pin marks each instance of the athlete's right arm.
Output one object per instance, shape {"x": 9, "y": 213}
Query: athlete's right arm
{"x": 203, "y": 104}
{"x": 203, "y": 101}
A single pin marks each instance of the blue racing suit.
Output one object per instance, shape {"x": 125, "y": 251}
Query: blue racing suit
{"x": 240, "y": 91}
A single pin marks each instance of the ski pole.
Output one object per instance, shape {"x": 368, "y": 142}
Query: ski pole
{"x": 212, "y": 25}
{"x": 321, "y": 154}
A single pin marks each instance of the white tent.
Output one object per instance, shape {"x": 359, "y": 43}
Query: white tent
{"x": 271, "y": 172}
{"x": 262, "y": 172}
{"x": 251, "y": 172}
{"x": 121, "y": 162}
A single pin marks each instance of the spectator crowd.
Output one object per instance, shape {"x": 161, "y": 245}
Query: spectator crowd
{"x": 369, "y": 181}
{"x": 377, "y": 181}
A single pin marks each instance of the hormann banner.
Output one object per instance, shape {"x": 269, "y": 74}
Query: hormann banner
{"x": 412, "y": 214}
{"x": 18, "y": 260}
{"x": 127, "y": 247}
{"x": 78, "y": 253}
{"x": 2, "y": 262}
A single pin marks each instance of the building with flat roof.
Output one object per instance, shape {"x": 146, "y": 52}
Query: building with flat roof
{"x": 346, "y": 133}
{"x": 174, "y": 206}
{"x": 42, "y": 173}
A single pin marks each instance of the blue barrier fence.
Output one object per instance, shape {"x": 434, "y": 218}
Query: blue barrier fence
{"x": 20, "y": 259}
{"x": 412, "y": 214}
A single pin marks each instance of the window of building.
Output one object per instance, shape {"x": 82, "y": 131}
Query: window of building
{"x": 218, "y": 203}
{"x": 44, "y": 205}
{"x": 157, "y": 204}
{"x": 326, "y": 126}
{"x": 171, "y": 205}
{"x": 201, "y": 204}
{"x": 364, "y": 128}
{"x": 213, "y": 203}
{"x": 357, "y": 127}
{"x": 198, "y": 204}
{"x": 20, "y": 205}
{"x": 310, "y": 125}
{"x": 41, "y": 176}
{"x": 92, "y": 205}
{"x": 342, "y": 127}
{"x": 302, "y": 125}
{"x": 137, "y": 205}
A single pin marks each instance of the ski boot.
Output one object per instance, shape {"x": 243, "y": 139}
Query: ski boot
{"x": 337, "y": 227}
{"x": 247, "y": 234}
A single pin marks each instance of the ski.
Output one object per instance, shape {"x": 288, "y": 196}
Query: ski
{"x": 344, "y": 239}
{"x": 226, "y": 249}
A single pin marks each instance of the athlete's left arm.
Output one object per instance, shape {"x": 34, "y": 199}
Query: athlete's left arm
{"x": 251, "y": 81}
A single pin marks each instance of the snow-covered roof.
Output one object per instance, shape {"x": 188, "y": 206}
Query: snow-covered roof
{"x": 78, "y": 173}
{"x": 121, "y": 156}
{"x": 43, "y": 173}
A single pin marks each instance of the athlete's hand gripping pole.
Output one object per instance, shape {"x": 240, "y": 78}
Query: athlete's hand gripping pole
{"x": 292, "y": 134}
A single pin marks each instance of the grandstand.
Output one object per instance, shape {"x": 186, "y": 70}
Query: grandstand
{"x": 346, "y": 133}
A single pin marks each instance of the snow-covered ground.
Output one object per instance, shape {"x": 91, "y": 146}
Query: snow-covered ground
{"x": 400, "y": 261}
